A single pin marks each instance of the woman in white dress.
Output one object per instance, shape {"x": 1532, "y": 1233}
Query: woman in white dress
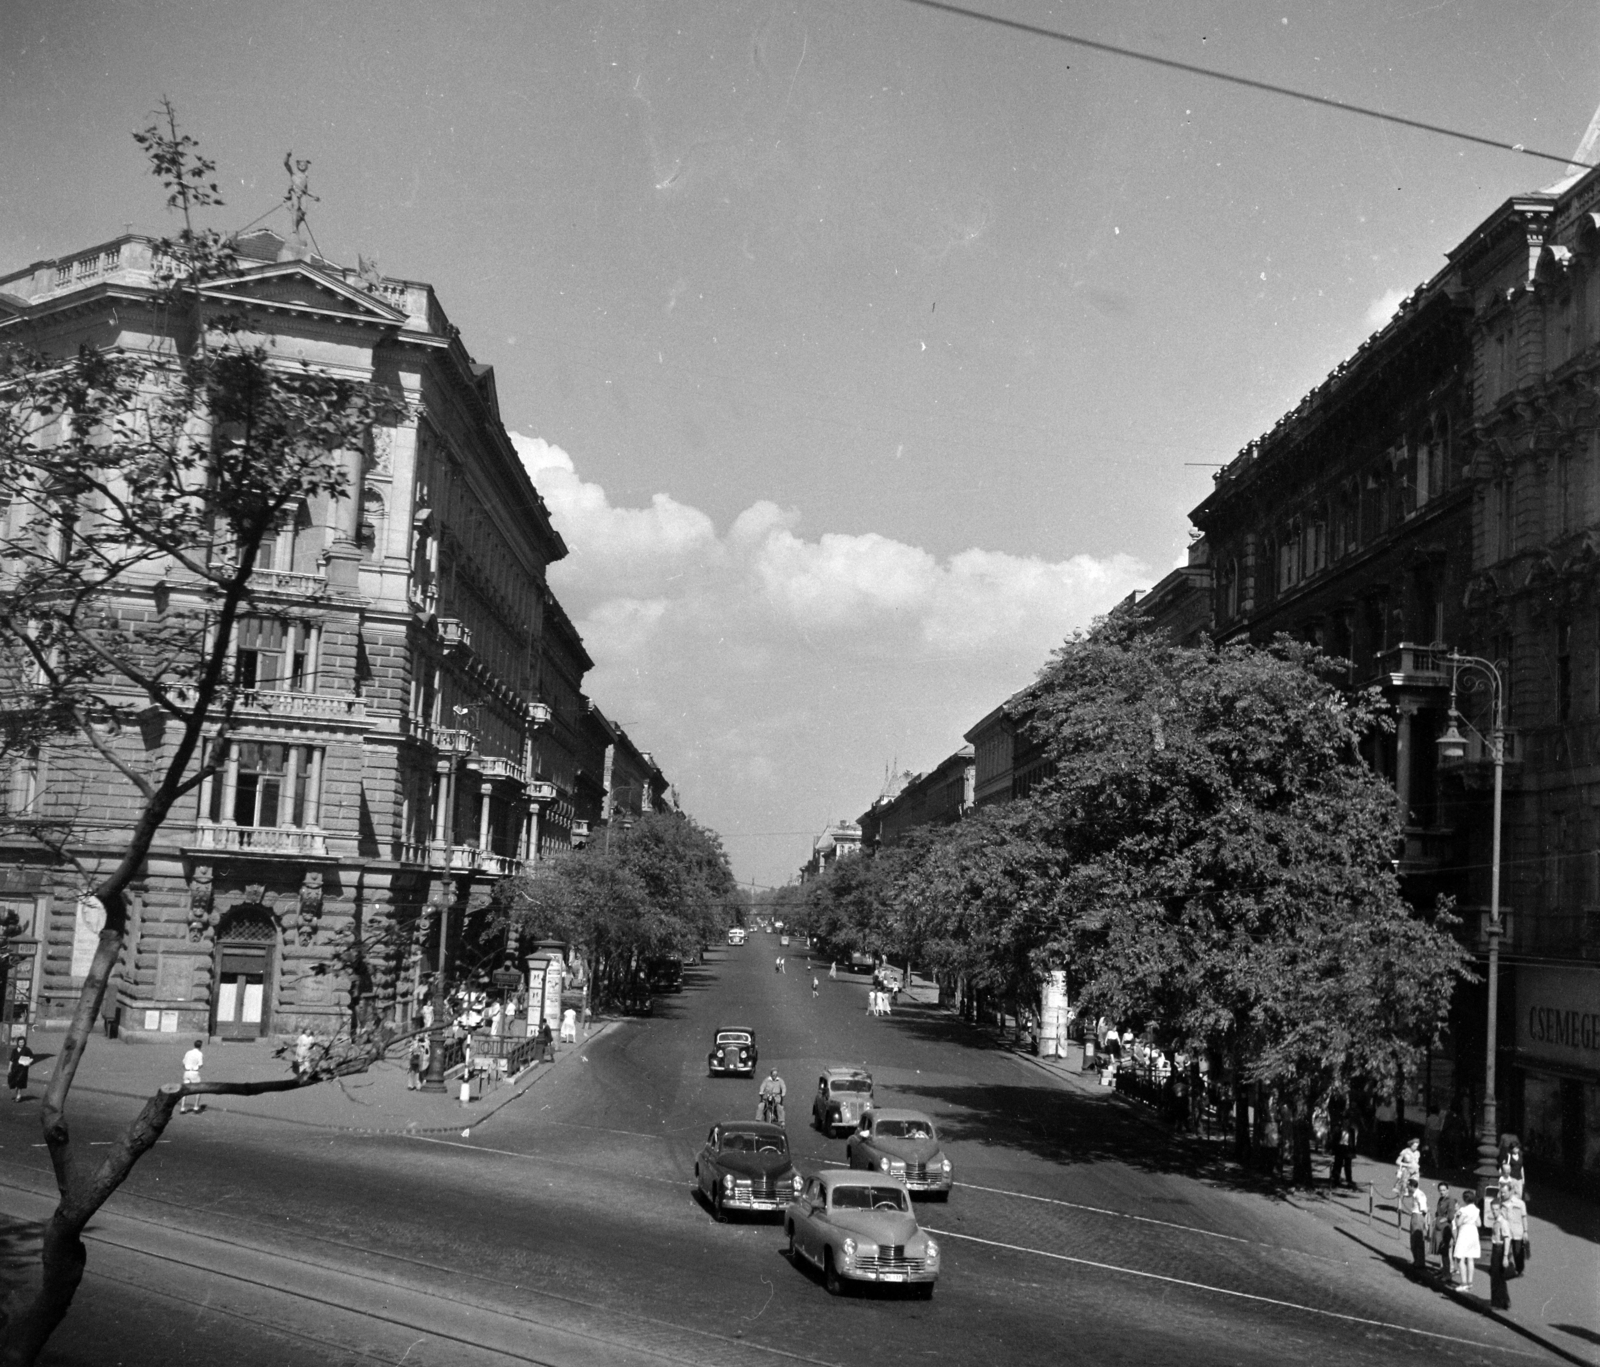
{"x": 1467, "y": 1247}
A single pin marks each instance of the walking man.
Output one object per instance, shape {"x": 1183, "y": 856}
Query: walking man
{"x": 1444, "y": 1217}
{"x": 302, "y": 1052}
{"x": 1499, "y": 1252}
{"x": 814, "y": 986}
{"x": 547, "y": 1043}
{"x": 1344, "y": 1147}
{"x": 1414, "y": 1207}
{"x": 416, "y": 1062}
{"x": 193, "y": 1062}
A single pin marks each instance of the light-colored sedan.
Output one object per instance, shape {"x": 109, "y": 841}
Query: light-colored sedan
{"x": 904, "y": 1145}
{"x": 858, "y": 1227}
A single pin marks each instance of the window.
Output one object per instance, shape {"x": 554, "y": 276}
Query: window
{"x": 1566, "y": 509}
{"x": 266, "y": 784}
{"x": 22, "y": 785}
{"x": 1502, "y": 534}
{"x": 272, "y": 655}
{"x": 294, "y": 546}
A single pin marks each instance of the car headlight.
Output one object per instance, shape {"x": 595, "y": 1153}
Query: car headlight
{"x": 884, "y": 1164}
{"x": 848, "y": 1251}
{"x": 945, "y": 1165}
{"x": 727, "y": 1181}
{"x": 933, "y": 1251}
{"x": 719, "y": 1053}
{"x": 797, "y": 1184}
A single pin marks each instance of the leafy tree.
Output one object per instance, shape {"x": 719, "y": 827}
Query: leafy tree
{"x": 152, "y": 477}
{"x": 1226, "y": 862}
{"x": 659, "y": 887}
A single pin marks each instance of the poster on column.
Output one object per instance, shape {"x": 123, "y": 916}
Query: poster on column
{"x": 535, "y": 993}
{"x": 1055, "y": 1017}
{"x": 552, "y": 992}
{"x": 90, "y": 921}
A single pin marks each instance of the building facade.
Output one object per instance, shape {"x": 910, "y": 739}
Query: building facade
{"x": 937, "y": 798}
{"x": 388, "y": 762}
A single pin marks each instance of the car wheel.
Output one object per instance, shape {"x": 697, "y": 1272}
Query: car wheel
{"x": 717, "y": 1212}
{"x": 794, "y": 1249}
{"x": 830, "y": 1275}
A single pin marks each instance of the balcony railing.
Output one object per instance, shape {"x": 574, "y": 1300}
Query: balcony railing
{"x": 538, "y": 714}
{"x": 216, "y": 835}
{"x": 501, "y": 865}
{"x": 498, "y": 766}
{"x": 1479, "y": 755}
{"x": 331, "y": 706}
{"x": 452, "y": 740}
{"x": 425, "y": 599}
{"x": 580, "y": 830}
{"x": 291, "y": 582}
{"x": 1413, "y": 666}
{"x": 542, "y": 790}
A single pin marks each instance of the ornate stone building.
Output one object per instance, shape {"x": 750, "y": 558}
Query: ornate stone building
{"x": 390, "y": 759}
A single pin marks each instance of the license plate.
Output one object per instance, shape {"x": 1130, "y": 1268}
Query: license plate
{"x": 894, "y": 1276}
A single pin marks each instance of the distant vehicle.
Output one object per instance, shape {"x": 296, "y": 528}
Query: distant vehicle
{"x": 843, "y": 1096}
{"x": 857, "y": 1227}
{"x": 783, "y": 939}
{"x": 733, "y": 1050}
{"x": 892, "y": 978}
{"x": 745, "y": 1165}
{"x": 904, "y": 1145}
{"x": 666, "y": 973}
{"x": 735, "y": 935}
{"x": 861, "y": 963}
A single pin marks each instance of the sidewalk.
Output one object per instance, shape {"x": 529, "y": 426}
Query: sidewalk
{"x": 374, "y": 1102}
{"x": 1556, "y": 1303}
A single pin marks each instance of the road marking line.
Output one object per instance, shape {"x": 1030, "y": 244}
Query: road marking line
{"x": 1223, "y": 1291}
{"x": 1120, "y": 1214}
{"x": 535, "y": 1157}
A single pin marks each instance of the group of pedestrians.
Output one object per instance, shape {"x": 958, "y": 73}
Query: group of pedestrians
{"x": 1454, "y": 1229}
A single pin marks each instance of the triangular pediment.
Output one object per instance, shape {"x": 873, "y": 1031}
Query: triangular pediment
{"x": 300, "y": 287}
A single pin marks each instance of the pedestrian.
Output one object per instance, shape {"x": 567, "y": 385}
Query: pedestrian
{"x": 1385, "y": 1134}
{"x": 1432, "y": 1130}
{"x": 815, "y": 986}
{"x": 193, "y": 1062}
{"x": 1414, "y": 1203}
{"x": 17, "y": 1073}
{"x": 1467, "y": 1248}
{"x": 833, "y": 971}
{"x": 1345, "y": 1135}
{"x": 416, "y": 1063}
{"x": 547, "y": 1043}
{"x": 777, "y": 963}
{"x": 1499, "y": 1253}
{"x": 1444, "y": 1227}
{"x": 1517, "y": 1219}
{"x": 302, "y": 1052}
{"x": 569, "y": 1026}
{"x": 1407, "y": 1167}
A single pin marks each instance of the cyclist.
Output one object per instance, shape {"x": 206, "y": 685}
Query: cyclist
{"x": 773, "y": 1093}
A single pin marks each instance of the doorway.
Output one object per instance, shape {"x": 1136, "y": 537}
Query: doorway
{"x": 247, "y": 950}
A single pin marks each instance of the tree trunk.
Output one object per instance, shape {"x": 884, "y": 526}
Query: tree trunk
{"x": 1241, "y": 1120}
{"x": 1301, "y": 1172}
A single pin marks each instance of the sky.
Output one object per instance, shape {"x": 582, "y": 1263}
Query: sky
{"x": 862, "y": 352}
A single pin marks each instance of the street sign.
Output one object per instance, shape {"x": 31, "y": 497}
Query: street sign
{"x": 506, "y": 977}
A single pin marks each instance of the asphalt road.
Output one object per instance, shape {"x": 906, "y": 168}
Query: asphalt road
{"x": 565, "y": 1229}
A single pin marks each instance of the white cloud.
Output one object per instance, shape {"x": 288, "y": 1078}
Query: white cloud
{"x": 1382, "y": 309}
{"x": 775, "y": 675}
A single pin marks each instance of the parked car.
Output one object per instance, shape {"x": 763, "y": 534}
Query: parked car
{"x": 666, "y": 973}
{"x": 858, "y": 1227}
{"x": 735, "y": 935}
{"x": 783, "y": 940}
{"x": 745, "y": 1165}
{"x": 842, "y": 1097}
{"x": 905, "y": 1145}
{"x": 733, "y": 1050}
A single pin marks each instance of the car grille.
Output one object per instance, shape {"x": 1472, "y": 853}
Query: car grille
{"x": 891, "y": 1258}
{"x": 916, "y": 1172}
{"x": 762, "y": 1188}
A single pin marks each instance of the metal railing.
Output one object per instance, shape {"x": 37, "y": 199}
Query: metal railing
{"x": 500, "y": 766}
{"x": 217, "y": 835}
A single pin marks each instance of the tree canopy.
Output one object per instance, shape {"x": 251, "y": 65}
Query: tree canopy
{"x": 1211, "y": 857}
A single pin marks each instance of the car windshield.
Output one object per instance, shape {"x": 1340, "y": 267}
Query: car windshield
{"x": 851, "y": 1084}
{"x": 743, "y": 1141}
{"x": 904, "y": 1129}
{"x": 868, "y": 1198}
{"x": 732, "y": 1037}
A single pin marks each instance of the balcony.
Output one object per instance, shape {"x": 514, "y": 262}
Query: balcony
{"x": 455, "y": 633}
{"x": 435, "y": 854}
{"x": 498, "y": 766}
{"x": 289, "y": 582}
{"x": 215, "y": 835}
{"x": 1425, "y": 849}
{"x": 451, "y": 740}
{"x": 500, "y": 865}
{"x": 580, "y": 830}
{"x": 1476, "y": 767}
{"x": 542, "y": 791}
{"x": 1412, "y": 666}
{"x": 424, "y": 598}
{"x": 309, "y": 706}
{"x": 538, "y": 714}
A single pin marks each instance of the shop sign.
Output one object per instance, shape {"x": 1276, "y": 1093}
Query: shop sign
{"x": 1558, "y": 1016}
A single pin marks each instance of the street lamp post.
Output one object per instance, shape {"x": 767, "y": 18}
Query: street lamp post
{"x": 434, "y": 1079}
{"x": 1453, "y": 746}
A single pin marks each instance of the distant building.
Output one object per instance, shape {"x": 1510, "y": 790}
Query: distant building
{"x": 1009, "y": 760}
{"x": 840, "y": 841}
{"x": 937, "y": 798}
{"x": 1179, "y": 606}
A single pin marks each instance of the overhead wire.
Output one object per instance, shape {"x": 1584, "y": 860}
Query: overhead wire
{"x": 1248, "y": 82}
